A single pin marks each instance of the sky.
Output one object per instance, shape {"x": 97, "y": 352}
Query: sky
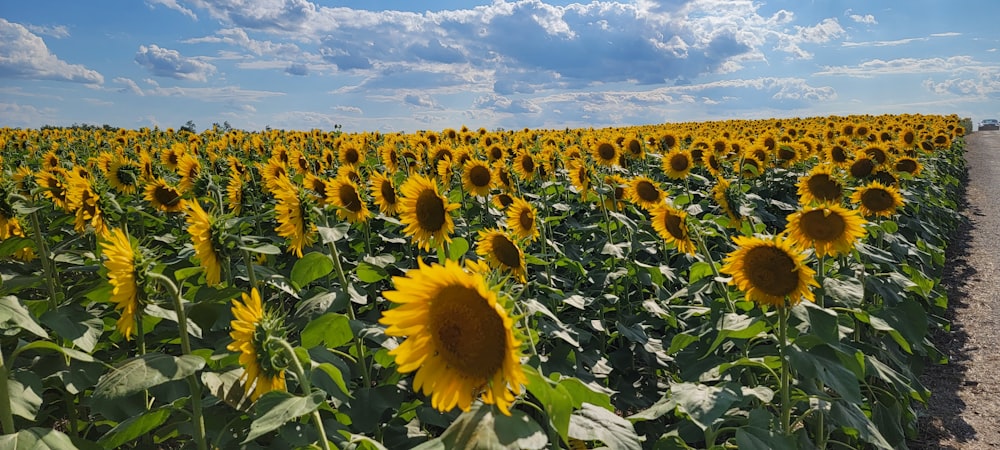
{"x": 401, "y": 65}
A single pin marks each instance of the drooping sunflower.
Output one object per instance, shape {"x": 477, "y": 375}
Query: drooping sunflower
{"x": 723, "y": 196}
{"x": 501, "y": 252}
{"x": 234, "y": 191}
{"x": 769, "y": 271}
{"x": 502, "y": 200}
{"x": 200, "y": 225}
{"x": 877, "y": 199}
{"x": 293, "y": 216}
{"x": 189, "y": 168}
{"x": 124, "y": 175}
{"x": 579, "y": 176}
{"x": 163, "y": 196}
{"x": 52, "y": 183}
{"x": 522, "y": 219}
{"x": 477, "y": 178}
{"x": 425, "y": 213}
{"x": 84, "y": 202}
{"x": 121, "y": 266}
{"x": 644, "y": 192}
{"x": 383, "y": 192}
{"x": 829, "y": 228}
{"x": 821, "y": 185}
{"x": 677, "y": 164}
{"x": 671, "y": 224}
{"x": 459, "y": 339}
{"x": 344, "y": 195}
{"x": 252, "y": 325}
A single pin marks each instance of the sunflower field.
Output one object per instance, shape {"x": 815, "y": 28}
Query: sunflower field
{"x": 761, "y": 284}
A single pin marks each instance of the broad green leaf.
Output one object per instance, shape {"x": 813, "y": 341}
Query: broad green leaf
{"x": 703, "y": 404}
{"x": 37, "y": 439}
{"x": 154, "y": 310}
{"x": 14, "y": 316}
{"x": 594, "y": 423}
{"x": 134, "y": 428}
{"x": 821, "y": 361}
{"x": 846, "y": 292}
{"x": 483, "y": 426}
{"x": 227, "y": 387}
{"x": 699, "y": 270}
{"x": 276, "y": 408}
{"x": 853, "y": 421}
{"x": 581, "y": 393}
{"x": 331, "y": 329}
{"x": 75, "y": 323}
{"x": 753, "y": 438}
{"x": 680, "y": 342}
{"x": 457, "y": 248}
{"x": 144, "y": 372}
{"x": 25, "y": 394}
{"x": 737, "y": 326}
{"x": 335, "y": 375}
{"x": 182, "y": 274}
{"x": 369, "y": 273}
{"x": 52, "y": 346}
{"x": 333, "y": 234}
{"x": 264, "y": 249}
{"x": 311, "y": 267}
{"x": 665, "y": 405}
{"x": 556, "y": 400}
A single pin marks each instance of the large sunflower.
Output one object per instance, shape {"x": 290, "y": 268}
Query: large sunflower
{"x": 122, "y": 276}
{"x": 84, "y": 202}
{"x": 579, "y": 176}
{"x": 769, "y": 271}
{"x": 163, "y": 196}
{"x": 671, "y": 224}
{"x": 522, "y": 219}
{"x": 501, "y": 252}
{"x": 477, "y": 178}
{"x": 829, "y": 228}
{"x": 251, "y": 328}
{"x": 677, "y": 164}
{"x": 384, "y": 194}
{"x": 877, "y": 199}
{"x": 200, "y": 227}
{"x": 821, "y": 185}
{"x": 459, "y": 339}
{"x": 605, "y": 153}
{"x": 189, "y": 168}
{"x": 525, "y": 166}
{"x": 293, "y": 216}
{"x": 346, "y": 198}
{"x": 644, "y": 192}
{"x": 426, "y": 214}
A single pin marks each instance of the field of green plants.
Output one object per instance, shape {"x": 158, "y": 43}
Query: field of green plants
{"x": 761, "y": 284}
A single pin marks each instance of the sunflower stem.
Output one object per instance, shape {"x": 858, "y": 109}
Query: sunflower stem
{"x": 362, "y": 358}
{"x": 251, "y": 273}
{"x": 300, "y": 375}
{"x": 47, "y": 264}
{"x": 6, "y": 415}
{"x": 193, "y": 385}
{"x": 786, "y": 406}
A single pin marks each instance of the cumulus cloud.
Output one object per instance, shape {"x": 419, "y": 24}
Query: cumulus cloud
{"x": 866, "y": 19}
{"x": 172, "y": 4}
{"x": 56, "y": 31}
{"x": 24, "y": 55}
{"x": 898, "y": 66}
{"x": 129, "y": 86}
{"x": 169, "y": 63}
{"x": 239, "y": 37}
{"x": 297, "y": 69}
{"x": 500, "y": 103}
{"x": 423, "y": 101}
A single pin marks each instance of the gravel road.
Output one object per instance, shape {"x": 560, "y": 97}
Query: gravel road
{"x": 964, "y": 409}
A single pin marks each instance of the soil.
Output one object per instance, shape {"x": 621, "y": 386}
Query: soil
{"x": 964, "y": 409}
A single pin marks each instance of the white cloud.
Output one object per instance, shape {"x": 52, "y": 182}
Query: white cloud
{"x": 866, "y": 19}
{"x": 130, "y": 86}
{"x": 172, "y": 4}
{"x": 500, "y": 103}
{"x": 56, "y": 31}
{"x": 24, "y": 55}
{"x": 898, "y": 66}
{"x": 18, "y": 115}
{"x": 349, "y": 109}
{"x": 169, "y": 63}
{"x": 422, "y": 101}
{"x": 240, "y": 38}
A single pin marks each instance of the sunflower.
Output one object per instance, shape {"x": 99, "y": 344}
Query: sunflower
{"x": 252, "y": 326}
{"x": 122, "y": 274}
{"x": 605, "y": 153}
{"x": 770, "y": 271}
{"x": 877, "y": 199}
{"x": 724, "y": 197}
{"x": 671, "y": 224}
{"x": 677, "y": 164}
{"x": 617, "y": 192}
{"x": 459, "y": 339}
{"x": 829, "y": 228}
{"x": 522, "y": 219}
{"x": 477, "y": 178}
{"x": 344, "y": 195}
{"x": 501, "y": 252}
{"x": 862, "y": 166}
{"x": 317, "y": 187}
{"x": 383, "y": 191}
{"x": 908, "y": 165}
{"x": 644, "y": 192}
{"x": 124, "y": 175}
{"x": 579, "y": 176}
{"x": 426, "y": 213}
{"x": 293, "y": 216}
{"x": 163, "y": 196}
{"x": 200, "y": 228}
{"x": 83, "y": 201}
{"x": 820, "y": 186}
{"x": 51, "y": 182}
{"x": 234, "y": 191}
{"x": 503, "y": 200}
{"x": 350, "y": 155}
{"x": 525, "y": 166}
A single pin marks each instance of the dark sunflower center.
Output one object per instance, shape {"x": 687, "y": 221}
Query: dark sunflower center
{"x": 906, "y": 165}
{"x": 679, "y": 162}
{"x": 877, "y": 200}
{"x": 673, "y": 222}
{"x": 526, "y": 219}
{"x": 388, "y": 193}
{"x": 506, "y": 252}
{"x": 647, "y": 192}
{"x": 468, "y": 334}
{"x": 877, "y": 154}
{"x": 862, "y": 168}
{"x": 786, "y": 154}
{"x": 528, "y": 164}
{"x": 166, "y": 196}
{"x": 351, "y": 156}
{"x": 349, "y": 198}
{"x": 505, "y": 200}
{"x": 823, "y": 187}
{"x": 634, "y": 147}
{"x": 480, "y": 176}
{"x": 838, "y": 154}
{"x": 495, "y": 153}
{"x": 606, "y": 151}
{"x": 430, "y": 211}
{"x": 909, "y": 138}
{"x": 822, "y": 225}
{"x": 697, "y": 154}
{"x": 771, "y": 270}
{"x": 713, "y": 162}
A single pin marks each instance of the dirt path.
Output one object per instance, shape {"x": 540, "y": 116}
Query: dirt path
{"x": 964, "y": 410}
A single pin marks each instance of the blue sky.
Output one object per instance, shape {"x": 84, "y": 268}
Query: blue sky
{"x": 398, "y": 65}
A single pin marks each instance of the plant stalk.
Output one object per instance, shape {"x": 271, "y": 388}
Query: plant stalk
{"x": 786, "y": 406}
{"x": 303, "y": 379}
{"x": 6, "y": 415}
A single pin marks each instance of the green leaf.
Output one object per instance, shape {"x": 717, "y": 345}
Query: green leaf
{"x": 664, "y": 406}
{"x": 846, "y": 292}
{"x": 556, "y": 400}
{"x": 37, "y": 439}
{"x": 335, "y": 375}
{"x": 703, "y": 404}
{"x": 457, "y": 248}
{"x": 581, "y": 393}
{"x": 483, "y": 426}
{"x": 753, "y": 438}
{"x": 14, "y": 316}
{"x": 75, "y": 323}
{"x": 593, "y": 423}
{"x": 737, "y": 326}
{"x": 276, "y": 408}
{"x": 855, "y": 423}
{"x": 369, "y": 273}
{"x": 134, "y": 427}
{"x": 143, "y": 372}
{"x": 264, "y": 249}
{"x": 311, "y": 267}
{"x": 333, "y": 234}
{"x": 227, "y": 387}
{"x": 47, "y": 345}
{"x": 25, "y": 390}
{"x": 331, "y": 329}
